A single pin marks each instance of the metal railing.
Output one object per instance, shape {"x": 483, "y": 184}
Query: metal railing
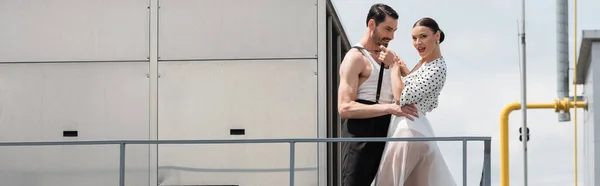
{"x": 485, "y": 179}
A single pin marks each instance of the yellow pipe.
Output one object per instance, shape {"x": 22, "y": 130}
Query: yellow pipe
{"x": 558, "y": 105}
{"x": 575, "y": 89}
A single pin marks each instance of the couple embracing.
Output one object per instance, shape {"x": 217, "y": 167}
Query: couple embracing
{"x": 380, "y": 97}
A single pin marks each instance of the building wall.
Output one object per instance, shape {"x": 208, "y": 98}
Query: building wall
{"x": 248, "y": 65}
{"x": 73, "y": 66}
{"x": 87, "y": 66}
{"x": 588, "y": 128}
{"x": 591, "y": 132}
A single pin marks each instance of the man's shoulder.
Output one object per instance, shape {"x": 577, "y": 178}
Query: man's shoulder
{"x": 354, "y": 52}
{"x": 354, "y": 62}
{"x": 354, "y": 55}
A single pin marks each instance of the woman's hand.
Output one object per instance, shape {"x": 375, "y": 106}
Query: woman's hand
{"x": 404, "y": 71}
{"x": 397, "y": 74}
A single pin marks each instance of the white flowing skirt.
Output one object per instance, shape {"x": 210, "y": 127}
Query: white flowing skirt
{"x": 412, "y": 163}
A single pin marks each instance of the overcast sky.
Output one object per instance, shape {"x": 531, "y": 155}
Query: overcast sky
{"x": 481, "y": 49}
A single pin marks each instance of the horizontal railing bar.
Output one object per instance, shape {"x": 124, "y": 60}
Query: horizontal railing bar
{"x": 220, "y": 141}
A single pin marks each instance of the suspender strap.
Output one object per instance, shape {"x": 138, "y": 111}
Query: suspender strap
{"x": 381, "y": 68}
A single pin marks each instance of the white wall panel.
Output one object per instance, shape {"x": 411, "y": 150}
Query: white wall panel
{"x": 269, "y": 99}
{"x": 102, "y": 101}
{"x": 225, "y": 29}
{"x": 589, "y": 128}
{"x": 592, "y": 131}
{"x": 66, "y": 30}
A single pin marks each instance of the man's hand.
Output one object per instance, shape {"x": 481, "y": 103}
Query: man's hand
{"x": 386, "y": 56}
{"x": 408, "y": 111}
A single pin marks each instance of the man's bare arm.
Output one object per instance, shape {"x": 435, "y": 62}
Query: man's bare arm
{"x": 350, "y": 70}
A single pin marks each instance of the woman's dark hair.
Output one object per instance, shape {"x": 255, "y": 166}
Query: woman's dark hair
{"x": 431, "y": 24}
{"x": 379, "y": 11}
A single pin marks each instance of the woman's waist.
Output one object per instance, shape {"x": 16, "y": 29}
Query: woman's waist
{"x": 419, "y": 118}
{"x": 420, "y": 112}
{"x": 420, "y": 124}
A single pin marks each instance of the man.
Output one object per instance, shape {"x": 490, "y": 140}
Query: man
{"x": 365, "y": 96}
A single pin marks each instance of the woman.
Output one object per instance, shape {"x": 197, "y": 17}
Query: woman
{"x": 417, "y": 163}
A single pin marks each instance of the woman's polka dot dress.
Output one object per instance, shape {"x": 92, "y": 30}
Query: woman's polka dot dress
{"x": 423, "y": 86}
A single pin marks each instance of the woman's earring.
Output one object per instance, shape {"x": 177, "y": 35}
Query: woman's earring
{"x": 438, "y": 42}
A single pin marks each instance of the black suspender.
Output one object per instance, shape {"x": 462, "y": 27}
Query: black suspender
{"x": 381, "y": 68}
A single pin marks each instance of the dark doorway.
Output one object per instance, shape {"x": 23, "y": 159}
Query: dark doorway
{"x": 337, "y": 47}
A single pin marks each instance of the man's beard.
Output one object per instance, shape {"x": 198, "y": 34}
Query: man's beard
{"x": 382, "y": 43}
{"x": 379, "y": 40}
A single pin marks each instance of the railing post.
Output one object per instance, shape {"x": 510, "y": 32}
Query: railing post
{"x": 487, "y": 162}
{"x": 122, "y": 164}
{"x": 292, "y": 161}
{"x": 464, "y": 143}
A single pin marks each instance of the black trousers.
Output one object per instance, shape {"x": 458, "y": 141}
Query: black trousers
{"x": 360, "y": 160}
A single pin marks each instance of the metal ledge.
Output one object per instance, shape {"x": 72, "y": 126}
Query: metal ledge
{"x": 584, "y": 60}
{"x": 78, "y": 61}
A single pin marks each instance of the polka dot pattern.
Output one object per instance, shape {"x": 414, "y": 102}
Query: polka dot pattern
{"x": 423, "y": 86}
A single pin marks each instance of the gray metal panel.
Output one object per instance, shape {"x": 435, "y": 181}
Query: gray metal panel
{"x": 595, "y": 113}
{"x": 202, "y": 29}
{"x": 321, "y": 125}
{"x": 102, "y": 101}
{"x": 269, "y": 99}
{"x": 153, "y": 76}
{"x": 588, "y": 130}
{"x": 591, "y": 169}
{"x": 73, "y": 30}
{"x": 584, "y": 59}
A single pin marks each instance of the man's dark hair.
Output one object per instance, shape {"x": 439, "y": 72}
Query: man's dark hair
{"x": 379, "y": 11}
